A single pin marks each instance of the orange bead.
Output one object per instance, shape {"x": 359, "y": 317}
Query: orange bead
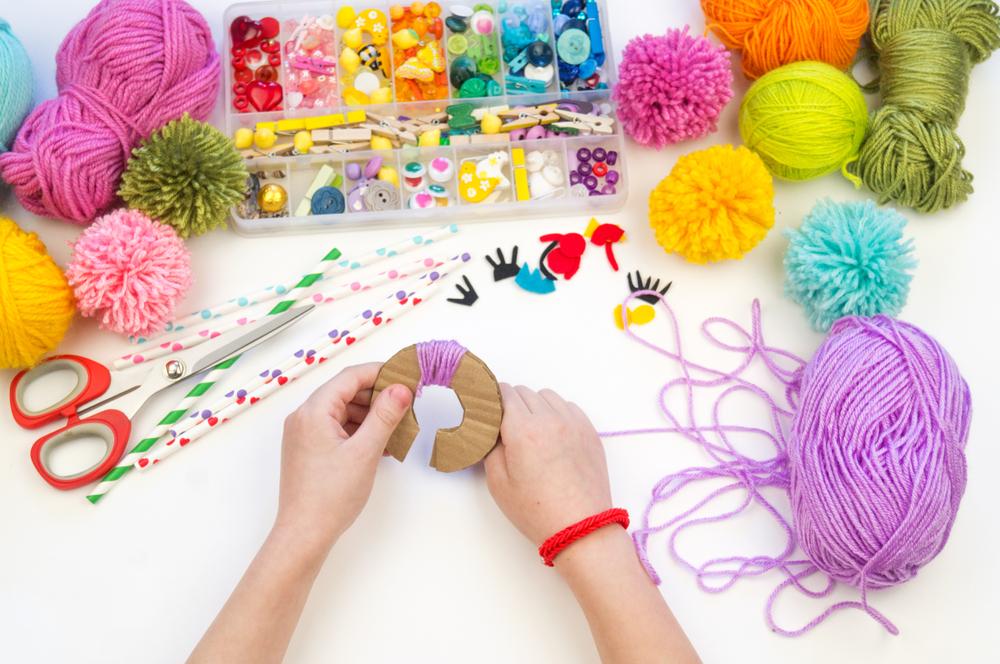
{"x": 417, "y": 8}
{"x": 396, "y": 12}
{"x": 437, "y": 28}
{"x": 420, "y": 25}
{"x": 432, "y": 10}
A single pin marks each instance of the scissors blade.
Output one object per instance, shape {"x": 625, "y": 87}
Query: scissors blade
{"x": 261, "y": 331}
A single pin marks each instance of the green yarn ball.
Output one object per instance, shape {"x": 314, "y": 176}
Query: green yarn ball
{"x": 187, "y": 174}
{"x": 805, "y": 120}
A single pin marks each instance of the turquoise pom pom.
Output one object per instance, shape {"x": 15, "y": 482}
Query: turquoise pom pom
{"x": 15, "y": 85}
{"x": 848, "y": 259}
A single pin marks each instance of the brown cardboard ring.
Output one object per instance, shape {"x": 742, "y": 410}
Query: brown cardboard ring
{"x": 477, "y": 390}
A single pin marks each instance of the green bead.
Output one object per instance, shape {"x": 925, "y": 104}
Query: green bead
{"x": 493, "y": 89}
{"x": 483, "y": 7}
{"x": 489, "y": 66}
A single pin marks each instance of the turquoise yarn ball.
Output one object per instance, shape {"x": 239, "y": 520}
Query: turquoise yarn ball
{"x": 848, "y": 259}
{"x": 15, "y": 85}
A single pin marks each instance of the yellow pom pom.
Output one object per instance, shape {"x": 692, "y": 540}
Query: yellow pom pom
{"x": 715, "y": 204}
{"x": 389, "y": 174}
{"x": 36, "y": 303}
{"x": 303, "y": 142}
{"x": 381, "y": 143}
{"x": 382, "y": 96}
{"x": 429, "y": 138}
{"x": 490, "y": 124}
{"x": 265, "y": 138}
{"x": 346, "y": 17}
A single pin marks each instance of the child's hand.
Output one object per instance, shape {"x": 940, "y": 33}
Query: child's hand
{"x": 549, "y": 470}
{"x": 331, "y": 447}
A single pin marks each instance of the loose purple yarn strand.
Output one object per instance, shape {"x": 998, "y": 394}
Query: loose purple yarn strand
{"x": 747, "y": 474}
{"x": 438, "y": 362}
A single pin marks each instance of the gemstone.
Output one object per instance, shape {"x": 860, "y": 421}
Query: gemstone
{"x": 539, "y": 54}
{"x": 456, "y": 24}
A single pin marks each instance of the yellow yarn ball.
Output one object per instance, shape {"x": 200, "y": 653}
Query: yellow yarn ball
{"x": 805, "y": 120}
{"x": 716, "y": 204}
{"x": 36, "y": 303}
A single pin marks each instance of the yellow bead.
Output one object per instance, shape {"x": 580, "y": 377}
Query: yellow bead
{"x": 381, "y": 143}
{"x": 272, "y": 198}
{"x": 491, "y": 124}
{"x": 382, "y": 96}
{"x": 350, "y": 60}
{"x": 346, "y": 17}
{"x": 430, "y": 138}
{"x": 243, "y": 138}
{"x": 405, "y": 39}
{"x": 265, "y": 139}
{"x": 354, "y": 97}
{"x": 354, "y": 39}
{"x": 303, "y": 142}
{"x": 389, "y": 174}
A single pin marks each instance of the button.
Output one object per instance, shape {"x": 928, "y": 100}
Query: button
{"x": 573, "y": 46}
{"x": 327, "y": 200}
{"x": 380, "y": 196}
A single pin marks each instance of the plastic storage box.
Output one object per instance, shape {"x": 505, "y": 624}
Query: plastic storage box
{"x": 578, "y": 151}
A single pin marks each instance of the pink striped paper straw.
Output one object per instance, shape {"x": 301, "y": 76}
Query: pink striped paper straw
{"x": 335, "y": 342}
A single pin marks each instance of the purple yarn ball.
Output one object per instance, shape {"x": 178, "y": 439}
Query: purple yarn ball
{"x": 877, "y": 451}
{"x": 672, "y": 87}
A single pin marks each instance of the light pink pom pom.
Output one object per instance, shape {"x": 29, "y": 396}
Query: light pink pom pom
{"x": 672, "y": 88}
{"x": 129, "y": 270}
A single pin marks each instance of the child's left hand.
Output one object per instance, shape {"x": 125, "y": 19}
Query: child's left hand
{"x": 331, "y": 447}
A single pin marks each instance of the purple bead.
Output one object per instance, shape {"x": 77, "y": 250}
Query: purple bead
{"x": 608, "y": 190}
{"x": 584, "y": 168}
{"x": 590, "y": 182}
{"x": 600, "y": 154}
{"x": 583, "y": 154}
{"x": 593, "y": 192}
{"x": 612, "y": 158}
{"x": 612, "y": 177}
{"x": 575, "y": 178}
{"x": 353, "y": 171}
{"x": 372, "y": 167}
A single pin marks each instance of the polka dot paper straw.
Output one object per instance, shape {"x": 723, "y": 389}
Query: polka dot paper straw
{"x": 334, "y": 342}
{"x": 333, "y": 264}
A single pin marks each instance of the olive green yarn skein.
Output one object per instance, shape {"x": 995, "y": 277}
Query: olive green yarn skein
{"x": 925, "y": 53}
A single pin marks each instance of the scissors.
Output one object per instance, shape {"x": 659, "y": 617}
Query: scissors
{"x": 94, "y": 380}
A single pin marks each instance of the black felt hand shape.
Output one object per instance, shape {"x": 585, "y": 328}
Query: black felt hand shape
{"x": 468, "y": 293}
{"x": 502, "y": 268}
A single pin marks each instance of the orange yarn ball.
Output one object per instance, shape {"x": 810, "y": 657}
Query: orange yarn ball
{"x": 772, "y": 33}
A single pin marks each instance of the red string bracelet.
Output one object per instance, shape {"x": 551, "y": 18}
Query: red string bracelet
{"x": 554, "y": 545}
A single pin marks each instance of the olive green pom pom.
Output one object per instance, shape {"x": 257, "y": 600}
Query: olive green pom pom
{"x": 187, "y": 174}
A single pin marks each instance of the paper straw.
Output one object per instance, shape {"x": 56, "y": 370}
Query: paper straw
{"x": 329, "y": 267}
{"x": 307, "y": 353}
{"x": 175, "y": 415}
{"x": 335, "y": 342}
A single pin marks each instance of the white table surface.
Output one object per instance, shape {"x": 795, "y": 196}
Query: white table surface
{"x": 432, "y": 571}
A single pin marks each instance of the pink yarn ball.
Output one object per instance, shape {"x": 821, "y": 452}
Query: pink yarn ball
{"x": 124, "y": 71}
{"x": 672, "y": 88}
{"x": 129, "y": 270}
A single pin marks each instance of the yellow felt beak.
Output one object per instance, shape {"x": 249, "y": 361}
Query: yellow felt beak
{"x": 641, "y": 315}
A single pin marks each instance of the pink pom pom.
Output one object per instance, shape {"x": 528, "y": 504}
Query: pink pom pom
{"x": 131, "y": 271}
{"x": 672, "y": 88}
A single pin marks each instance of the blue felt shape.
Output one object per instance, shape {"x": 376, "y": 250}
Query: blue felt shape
{"x": 534, "y": 281}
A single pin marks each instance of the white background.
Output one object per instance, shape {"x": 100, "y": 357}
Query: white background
{"x": 432, "y": 571}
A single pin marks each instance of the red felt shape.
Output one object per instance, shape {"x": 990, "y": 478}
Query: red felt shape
{"x": 564, "y": 257}
{"x": 608, "y": 235}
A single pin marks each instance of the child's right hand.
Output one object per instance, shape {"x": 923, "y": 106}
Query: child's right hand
{"x": 549, "y": 470}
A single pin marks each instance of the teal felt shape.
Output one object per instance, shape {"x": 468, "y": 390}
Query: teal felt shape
{"x": 534, "y": 281}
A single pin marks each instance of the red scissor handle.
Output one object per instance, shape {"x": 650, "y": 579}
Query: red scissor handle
{"x": 92, "y": 380}
{"x": 110, "y": 425}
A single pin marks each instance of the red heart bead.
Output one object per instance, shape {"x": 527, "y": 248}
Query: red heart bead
{"x": 265, "y": 96}
{"x": 270, "y": 46}
{"x": 245, "y": 32}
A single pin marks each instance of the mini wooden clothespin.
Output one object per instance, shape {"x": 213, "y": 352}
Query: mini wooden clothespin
{"x": 525, "y": 117}
{"x": 581, "y": 123}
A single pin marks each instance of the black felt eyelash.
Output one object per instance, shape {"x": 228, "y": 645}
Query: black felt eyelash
{"x": 640, "y": 285}
{"x": 502, "y": 268}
